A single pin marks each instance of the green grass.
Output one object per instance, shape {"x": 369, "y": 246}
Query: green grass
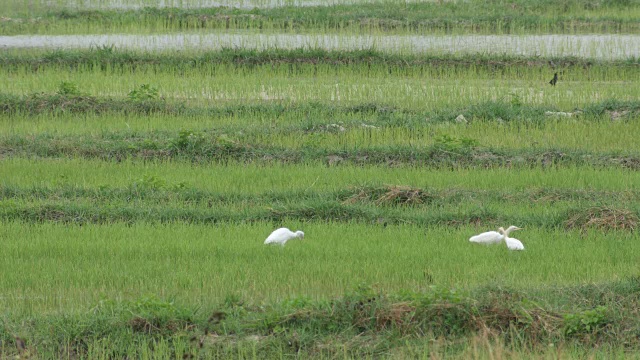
{"x": 88, "y": 191}
{"x": 365, "y": 322}
{"x": 141, "y": 202}
{"x": 119, "y": 59}
{"x": 155, "y": 191}
{"x": 382, "y": 16}
{"x": 69, "y": 268}
{"x": 260, "y": 86}
{"x": 336, "y": 85}
{"x": 257, "y": 178}
{"x": 445, "y": 152}
{"x": 142, "y": 283}
{"x": 137, "y": 187}
{"x": 129, "y": 135}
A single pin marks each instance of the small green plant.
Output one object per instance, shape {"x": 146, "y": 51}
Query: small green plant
{"x": 516, "y": 100}
{"x": 187, "y": 140}
{"x": 223, "y": 140}
{"x": 68, "y": 88}
{"x": 454, "y": 144}
{"x": 585, "y": 322}
{"x": 149, "y": 182}
{"x": 152, "y": 182}
{"x": 436, "y": 294}
{"x": 148, "y": 314}
{"x": 179, "y": 186}
{"x": 104, "y": 49}
{"x": 233, "y": 300}
{"x": 149, "y": 144}
{"x": 152, "y": 305}
{"x": 145, "y": 306}
{"x": 315, "y": 140}
{"x": 143, "y": 93}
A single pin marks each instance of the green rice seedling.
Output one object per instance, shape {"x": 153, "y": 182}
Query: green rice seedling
{"x": 204, "y": 148}
{"x": 137, "y": 187}
{"x": 562, "y": 134}
{"x": 144, "y": 205}
{"x": 199, "y": 264}
{"x": 256, "y": 178}
{"x": 344, "y": 17}
{"x": 232, "y": 86}
{"x": 110, "y": 58}
{"x": 387, "y": 197}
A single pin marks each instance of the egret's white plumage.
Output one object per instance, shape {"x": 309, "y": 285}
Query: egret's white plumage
{"x": 512, "y": 243}
{"x": 489, "y": 237}
{"x": 282, "y": 235}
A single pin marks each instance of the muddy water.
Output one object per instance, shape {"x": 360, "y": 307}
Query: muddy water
{"x": 590, "y": 46}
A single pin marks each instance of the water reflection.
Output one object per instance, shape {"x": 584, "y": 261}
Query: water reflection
{"x": 589, "y": 46}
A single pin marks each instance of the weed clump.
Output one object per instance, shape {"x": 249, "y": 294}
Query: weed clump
{"x": 585, "y": 322}
{"x": 390, "y": 195}
{"x": 302, "y": 326}
{"x": 150, "y": 315}
{"x": 68, "y": 89}
{"x": 143, "y": 93}
{"x": 603, "y": 218}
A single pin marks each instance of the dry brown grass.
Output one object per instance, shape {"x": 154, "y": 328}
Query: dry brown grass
{"x": 536, "y": 324}
{"x": 398, "y": 315}
{"x": 390, "y": 195}
{"x": 603, "y": 218}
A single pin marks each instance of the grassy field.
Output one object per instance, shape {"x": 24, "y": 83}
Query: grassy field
{"x": 137, "y": 187}
{"x": 177, "y": 261}
{"x": 356, "y": 85}
{"x": 354, "y": 16}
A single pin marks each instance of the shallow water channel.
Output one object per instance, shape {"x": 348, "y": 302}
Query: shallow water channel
{"x": 589, "y": 46}
{"x": 191, "y": 4}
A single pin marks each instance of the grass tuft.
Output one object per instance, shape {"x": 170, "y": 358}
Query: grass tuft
{"x": 390, "y": 195}
{"x": 603, "y": 218}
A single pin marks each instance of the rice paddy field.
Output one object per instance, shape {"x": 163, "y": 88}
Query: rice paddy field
{"x": 147, "y": 149}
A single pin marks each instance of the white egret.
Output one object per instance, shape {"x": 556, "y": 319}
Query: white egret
{"x": 488, "y": 238}
{"x": 282, "y": 235}
{"x": 512, "y": 243}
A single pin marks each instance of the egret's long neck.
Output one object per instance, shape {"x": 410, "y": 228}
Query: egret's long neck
{"x": 505, "y": 235}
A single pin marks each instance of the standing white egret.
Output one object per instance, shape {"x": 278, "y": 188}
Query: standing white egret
{"x": 488, "y": 238}
{"x": 512, "y": 243}
{"x": 282, "y": 235}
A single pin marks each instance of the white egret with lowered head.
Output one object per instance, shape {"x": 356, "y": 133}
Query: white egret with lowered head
{"x": 487, "y": 238}
{"x": 512, "y": 243}
{"x": 282, "y": 235}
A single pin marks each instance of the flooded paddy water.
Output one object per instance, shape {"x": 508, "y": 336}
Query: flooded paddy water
{"x": 607, "y": 47}
{"x": 192, "y": 4}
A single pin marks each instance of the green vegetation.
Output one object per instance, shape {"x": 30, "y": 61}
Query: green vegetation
{"x": 137, "y": 187}
{"x": 156, "y": 200}
{"x": 255, "y": 178}
{"x": 520, "y": 16}
{"x": 355, "y": 148}
{"x": 171, "y": 296}
{"x": 109, "y": 58}
{"x": 223, "y": 77}
{"x": 176, "y": 261}
{"x": 512, "y": 321}
{"x": 294, "y": 62}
